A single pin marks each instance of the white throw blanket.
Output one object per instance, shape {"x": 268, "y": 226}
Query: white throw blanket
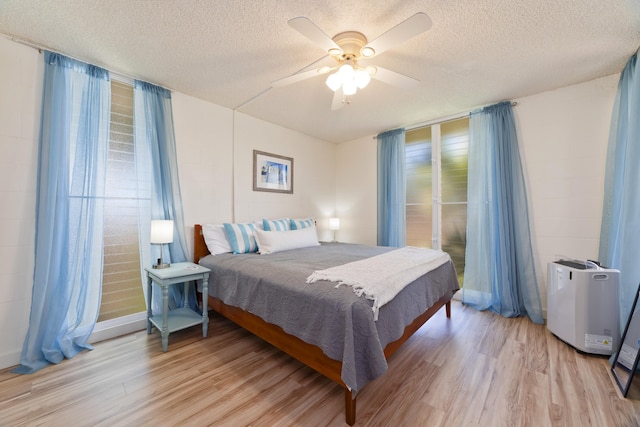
{"x": 382, "y": 277}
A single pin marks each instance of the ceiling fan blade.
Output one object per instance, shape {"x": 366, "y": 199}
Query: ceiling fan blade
{"x": 315, "y": 34}
{"x": 300, "y": 76}
{"x": 338, "y": 100}
{"x": 409, "y": 28}
{"x": 395, "y": 79}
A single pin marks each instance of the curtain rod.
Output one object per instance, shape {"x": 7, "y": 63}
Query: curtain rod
{"x": 117, "y": 75}
{"x": 445, "y": 119}
{"x": 438, "y": 120}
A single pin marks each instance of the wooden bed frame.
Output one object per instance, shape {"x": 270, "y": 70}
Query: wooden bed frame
{"x": 308, "y": 354}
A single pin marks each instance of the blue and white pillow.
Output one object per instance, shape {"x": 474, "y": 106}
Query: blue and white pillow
{"x": 241, "y": 237}
{"x": 276, "y": 224}
{"x": 299, "y": 224}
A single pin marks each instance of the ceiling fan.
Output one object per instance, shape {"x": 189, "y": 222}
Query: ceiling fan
{"x": 347, "y": 48}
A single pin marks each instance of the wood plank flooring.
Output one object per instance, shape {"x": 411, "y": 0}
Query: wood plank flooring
{"x": 475, "y": 369}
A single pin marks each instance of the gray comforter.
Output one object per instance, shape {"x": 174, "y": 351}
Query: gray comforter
{"x": 274, "y": 288}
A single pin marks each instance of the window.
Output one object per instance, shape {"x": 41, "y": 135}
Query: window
{"x": 436, "y": 160}
{"x": 419, "y": 187}
{"x": 122, "y": 292}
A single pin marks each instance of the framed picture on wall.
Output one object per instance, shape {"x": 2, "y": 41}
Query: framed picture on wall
{"x": 272, "y": 172}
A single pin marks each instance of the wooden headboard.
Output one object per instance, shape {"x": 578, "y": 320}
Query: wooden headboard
{"x": 200, "y": 249}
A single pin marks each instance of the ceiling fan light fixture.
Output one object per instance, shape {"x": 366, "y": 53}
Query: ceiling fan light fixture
{"x": 346, "y": 71}
{"x": 349, "y": 87}
{"x": 361, "y": 78}
{"x": 334, "y": 81}
{"x": 334, "y": 51}
{"x": 350, "y": 78}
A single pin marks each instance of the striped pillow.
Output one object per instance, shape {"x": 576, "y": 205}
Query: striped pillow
{"x": 241, "y": 237}
{"x": 299, "y": 224}
{"x": 276, "y": 224}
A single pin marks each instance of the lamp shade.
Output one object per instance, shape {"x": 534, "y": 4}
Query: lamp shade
{"x": 334, "y": 224}
{"x": 161, "y": 231}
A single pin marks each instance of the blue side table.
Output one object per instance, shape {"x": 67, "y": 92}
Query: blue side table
{"x": 183, "y": 317}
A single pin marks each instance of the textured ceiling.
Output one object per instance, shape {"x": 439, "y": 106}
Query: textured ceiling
{"x": 228, "y": 51}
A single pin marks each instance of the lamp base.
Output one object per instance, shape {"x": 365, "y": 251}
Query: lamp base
{"x": 164, "y": 265}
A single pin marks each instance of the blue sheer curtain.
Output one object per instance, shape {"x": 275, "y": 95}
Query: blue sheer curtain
{"x": 74, "y": 134}
{"x": 620, "y": 230}
{"x": 158, "y": 183}
{"x": 392, "y": 194}
{"x": 499, "y": 273}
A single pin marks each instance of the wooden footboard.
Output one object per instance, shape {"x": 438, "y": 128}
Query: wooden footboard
{"x": 306, "y": 353}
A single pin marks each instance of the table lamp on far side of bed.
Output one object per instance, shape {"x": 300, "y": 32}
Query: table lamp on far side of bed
{"x": 334, "y": 225}
{"x": 161, "y": 233}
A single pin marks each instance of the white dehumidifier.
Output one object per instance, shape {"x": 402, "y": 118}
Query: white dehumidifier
{"x": 582, "y": 305}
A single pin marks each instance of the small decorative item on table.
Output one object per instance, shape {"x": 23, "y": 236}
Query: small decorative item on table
{"x": 183, "y": 317}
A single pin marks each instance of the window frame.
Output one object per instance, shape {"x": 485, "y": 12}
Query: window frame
{"x": 437, "y": 202}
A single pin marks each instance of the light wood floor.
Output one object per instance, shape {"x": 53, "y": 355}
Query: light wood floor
{"x": 475, "y": 369}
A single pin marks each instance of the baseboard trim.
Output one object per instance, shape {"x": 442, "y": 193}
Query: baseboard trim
{"x": 117, "y": 327}
{"x": 10, "y": 360}
{"x": 102, "y": 331}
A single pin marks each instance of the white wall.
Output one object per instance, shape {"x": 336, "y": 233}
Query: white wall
{"x": 313, "y": 173}
{"x": 215, "y": 159}
{"x": 356, "y": 191}
{"x": 21, "y": 88}
{"x": 563, "y": 139}
{"x": 204, "y": 136}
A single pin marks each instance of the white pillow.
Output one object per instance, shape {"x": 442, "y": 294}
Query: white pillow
{"x": 270, "y": 242}
{"x": 216, "y": 239}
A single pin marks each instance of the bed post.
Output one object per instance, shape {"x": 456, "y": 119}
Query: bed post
{"x": 349, "y": 407}
{"x": 200, "y": 249}
{"x": 447, "y": 308}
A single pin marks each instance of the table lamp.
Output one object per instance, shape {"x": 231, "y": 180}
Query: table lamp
{"x": 334, "y": 224}
{"x": 161, "y": 233}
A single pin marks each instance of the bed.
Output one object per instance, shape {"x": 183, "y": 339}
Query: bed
{"x": 275, "y": 303}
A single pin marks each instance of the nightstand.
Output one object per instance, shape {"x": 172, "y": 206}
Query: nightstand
{"x": 183, "y": 317}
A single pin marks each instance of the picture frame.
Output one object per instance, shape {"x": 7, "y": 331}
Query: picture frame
{"x": 272, "y": 172}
